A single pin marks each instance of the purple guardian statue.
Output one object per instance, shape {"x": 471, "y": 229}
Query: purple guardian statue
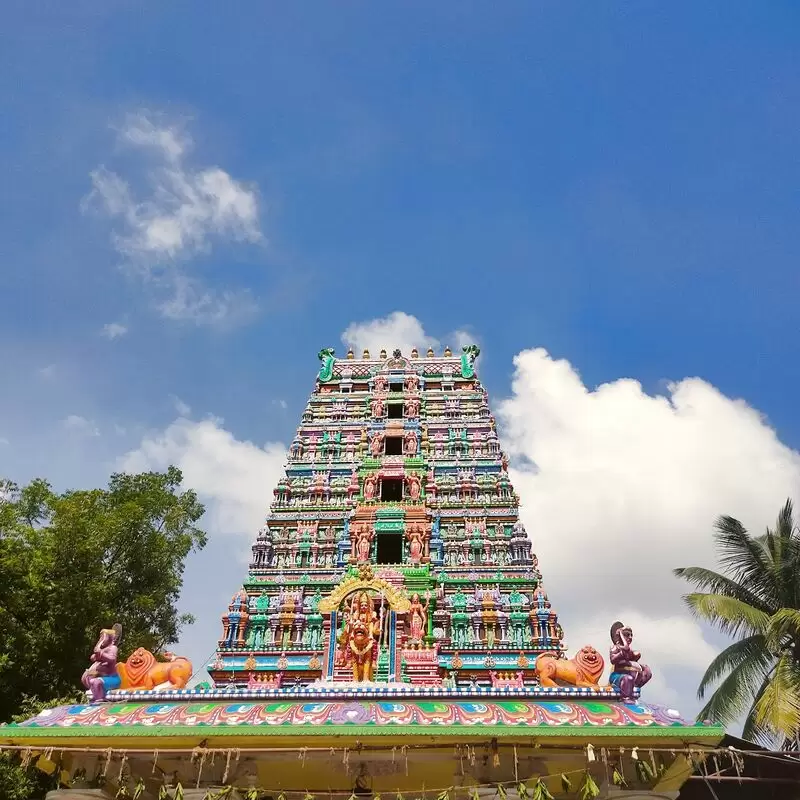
{"x": 627, "y": 673}
{"x": 102, "y": 675}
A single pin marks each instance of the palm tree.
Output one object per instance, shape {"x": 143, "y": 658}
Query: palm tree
{"x": 756, "y": 600}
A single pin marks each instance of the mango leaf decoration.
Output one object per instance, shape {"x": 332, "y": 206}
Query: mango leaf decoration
{"x": 589, "y": 789}
{"x": 540, "y": 791}
{"x": 566, "y": 783}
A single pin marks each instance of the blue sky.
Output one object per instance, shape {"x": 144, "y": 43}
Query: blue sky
{"x": 614, "y": 183}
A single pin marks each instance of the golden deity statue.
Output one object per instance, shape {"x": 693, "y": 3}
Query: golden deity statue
{"x": 359, "y": 638}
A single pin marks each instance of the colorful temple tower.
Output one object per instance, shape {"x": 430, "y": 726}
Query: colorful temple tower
{"x": 392, "y": 636}
{"x": 396, "y": 496}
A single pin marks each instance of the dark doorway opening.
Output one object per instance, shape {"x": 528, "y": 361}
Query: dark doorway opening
{"x": 394, "y": 446}
{"x": 390, "y": 548}
{"x": 395, "y": 387}
{"x": 391, "y": 490}
{"x": 394, "y": 411}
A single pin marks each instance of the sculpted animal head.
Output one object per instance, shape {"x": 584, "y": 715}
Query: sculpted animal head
{"x": 590, "y": 661}
{"x": 326, "y": 352}
{"x": 621, "y": 634}
{"x": 138, "y": 665}
{"x": 472, "y": 351}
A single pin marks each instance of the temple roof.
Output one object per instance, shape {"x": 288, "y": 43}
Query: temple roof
{"x": 457, "y": 720}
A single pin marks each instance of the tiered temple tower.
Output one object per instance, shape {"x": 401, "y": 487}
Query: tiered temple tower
{"x": 392, "y": 636}
{"x": 397, "y": 499}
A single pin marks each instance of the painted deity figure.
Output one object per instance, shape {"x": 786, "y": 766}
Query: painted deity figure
{"x": 410, "y": 443}
{"x": 376, "y": 445}
{"x": 378, "y": 407}
{"x": 627, "y": 673}
{"x": 418, "y": 617}
{"x": 370, "y": 487}
{"x": 414, "y": 487}
{"x": 359, "y": 638}
{"x": 412, "y": 407}
{"x": 102, "y": 675}
{"x": 364, "y": 545}
{"x": 415, "y": 545}
{"x": 381, "y": 384}
{"x": 412, "y": 383}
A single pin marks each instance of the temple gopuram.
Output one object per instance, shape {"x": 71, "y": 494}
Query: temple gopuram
{"x": 393, "y": 636}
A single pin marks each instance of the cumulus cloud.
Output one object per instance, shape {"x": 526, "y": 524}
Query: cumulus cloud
{"x": 398, "y": 330}
{"x": 233, "y": 478}
{"x": 113, "y": 330}
{"x": 186, "y": 210}
{"x": 81, "y": 425}
{"x": 619, "y": 487}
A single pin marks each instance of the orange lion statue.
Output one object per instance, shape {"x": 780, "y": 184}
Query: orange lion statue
{"x": 583, "y": 670}
{"x": 143, "y": 672}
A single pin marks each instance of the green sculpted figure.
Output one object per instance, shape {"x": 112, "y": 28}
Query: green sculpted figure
{"x": 326, "y": 370}
{"x": 469, "y": 353}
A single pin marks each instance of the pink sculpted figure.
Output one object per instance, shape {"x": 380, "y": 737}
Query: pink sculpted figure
{"x": 415, "y": 543}
{"x": 370, "y": 484}
{"x": 413, "y": 487}
{"x": 364, "y": 545}
{"x": 376, "y": 444}
{"x": 418, "y": 615}
{"x": 410, "y": 443}
{"x": 412, "y": 407}
{"x": 381, "y": 384}
{"x": 377, "y": 407}
{"x": 412, "y": 383}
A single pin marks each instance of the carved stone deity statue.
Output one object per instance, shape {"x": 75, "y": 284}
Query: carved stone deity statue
{"x": 418, "y": 618}
{"x": 359, "y": 638}
{"x": 376, "y": 445}
{"x": 410, "y": 443}
{"x": 627, "y": 673}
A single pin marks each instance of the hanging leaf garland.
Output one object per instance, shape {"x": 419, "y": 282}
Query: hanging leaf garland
{"x": 566, "y": 783}
{"x": 589, "y": 789}
{"x": 501, "y": 792}
{"x": 138, "y": 790}
{"x": 618, "y": 778}
{"x": 540, "y": 791}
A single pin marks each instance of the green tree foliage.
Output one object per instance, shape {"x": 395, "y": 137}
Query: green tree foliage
{"x": 76, "y": 562}
{"x": 756, "y": 600}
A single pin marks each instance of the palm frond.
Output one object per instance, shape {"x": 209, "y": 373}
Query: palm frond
{"x": 752, "y": 730}
{"x": 729, "y": 615}
{"x": 753, "y": 648}
{"x": 715, "y": 583}
{"x": 746, "y": 559}
{"x": 778, "y": 708}
{"x": 734, "y": 696}
{"x": 783, "y": 629}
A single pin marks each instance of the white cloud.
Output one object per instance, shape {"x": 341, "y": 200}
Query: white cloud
{"x": 618, "y": 487}
{"x": 182, "y": 408}
{"x": 81, "y": 425}
{"x": 233, "y": 478}
{"x": 191, "y": 301}
{"x": 187, "y": 209}
{"x": 113, "y": 330}
{"x": 398, "y": 330}
{"x": 48, "y": 372}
